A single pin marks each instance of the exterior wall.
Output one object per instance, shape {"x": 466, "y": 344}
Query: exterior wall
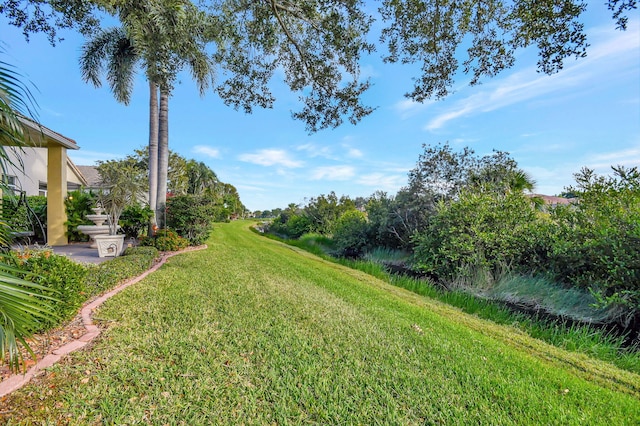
{"x": 35, "y": 171}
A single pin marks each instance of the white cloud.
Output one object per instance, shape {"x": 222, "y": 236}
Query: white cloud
{"x": 333, "y": 173}
{"x": 607, "y": 57}
{"x": 407, "y": 108}
{"x": 271, "y": 157}
{"x": 352, "y": 152}
{"x": 602, "y": 163}
{"x": 209, "y": 151}
{"x": 390, "y": 183}
{"x": 314, "y": 150}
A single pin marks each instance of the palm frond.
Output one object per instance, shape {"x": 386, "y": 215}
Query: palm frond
{"x": 110, "y": 53}
{"x": 23, "y": 304}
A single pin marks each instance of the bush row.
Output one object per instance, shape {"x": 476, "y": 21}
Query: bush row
{"x": 591, "y": 244}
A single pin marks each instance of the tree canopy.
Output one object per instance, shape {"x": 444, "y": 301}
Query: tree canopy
{"x": 319, "y": 44}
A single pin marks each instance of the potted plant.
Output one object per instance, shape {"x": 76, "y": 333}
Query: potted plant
{"x": 122, "y": 185}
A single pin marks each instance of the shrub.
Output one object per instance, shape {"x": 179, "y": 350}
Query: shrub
{"x": 290, "y": 225}
{"x": 134, "y": 261}
{"x": 191, "y": 216}
{"x": 135, "y": 219}
{"x": 597, "y": 240}
{"x": 165, "y": 240}
{"x": 479, "y": 231}
{"x": 350, "y": 233}
{"x": 64, "y": 279}
{"x": 78, "y": 205}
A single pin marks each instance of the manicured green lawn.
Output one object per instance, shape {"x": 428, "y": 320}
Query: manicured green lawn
{"x": 252, "y": 331}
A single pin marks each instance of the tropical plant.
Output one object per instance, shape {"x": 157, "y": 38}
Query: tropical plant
{"x": 201, "y": 178}
{"x": 164, "y": 36}
{"x": 22, "y": 304}
{"x": 191, "y": 216}
{"x": 78, "y": 205}
{"x": 62, "y": 278}
{"x": 135, "y": 219}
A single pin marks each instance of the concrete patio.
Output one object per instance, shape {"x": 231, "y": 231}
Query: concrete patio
{"x": 80, "y": 252}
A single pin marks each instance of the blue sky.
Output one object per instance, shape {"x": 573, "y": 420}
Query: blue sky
{"x": 586, "y": 115}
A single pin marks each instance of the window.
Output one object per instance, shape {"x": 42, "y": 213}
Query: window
{"x": 42, "y": 189}
{"x": 12, "y": 183}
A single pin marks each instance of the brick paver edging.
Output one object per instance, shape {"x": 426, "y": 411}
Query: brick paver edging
{"x": 18, "y": 380}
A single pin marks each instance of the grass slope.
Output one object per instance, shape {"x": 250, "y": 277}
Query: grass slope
{"x": 252, "y": 331}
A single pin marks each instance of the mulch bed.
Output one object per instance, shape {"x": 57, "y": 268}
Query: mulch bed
{"x": 45, "y": 343}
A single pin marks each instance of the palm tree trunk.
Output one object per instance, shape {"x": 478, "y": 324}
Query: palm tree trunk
{"x": 153, "y": 148}
{"x": 163, "y": 157}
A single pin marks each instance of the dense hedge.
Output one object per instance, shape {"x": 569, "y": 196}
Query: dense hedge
{"x": 480, "y": 231}
{"x": 191, "y": 216}
{"x": 64, "y": 279}
{"x": 592, "y": 243}
{"x": 350, "y": 233}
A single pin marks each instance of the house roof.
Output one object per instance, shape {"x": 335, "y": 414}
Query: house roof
{"x": 92, "y": 176}
{"x": 77, "y": 172}
{"x": 552, "y": 200}
{"x": 41, "y": 136}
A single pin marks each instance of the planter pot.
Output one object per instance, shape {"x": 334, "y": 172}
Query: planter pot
{"x": 109, "y": 245}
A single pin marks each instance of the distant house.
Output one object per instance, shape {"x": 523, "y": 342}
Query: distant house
{"x": 92, "y": 176}
{"x": 553, "y": 201}
{"x": 46, "y": 171}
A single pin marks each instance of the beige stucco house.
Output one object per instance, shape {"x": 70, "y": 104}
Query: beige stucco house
{"x": 33, "y": 179}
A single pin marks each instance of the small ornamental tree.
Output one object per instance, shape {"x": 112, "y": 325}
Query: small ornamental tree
{"x": 123, "y": 185}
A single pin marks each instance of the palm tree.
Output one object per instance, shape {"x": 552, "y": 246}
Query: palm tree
{"x": 22, "y": 304}
{"x": 201, "y": 178}
{"x": 113, "y": 49}
{"x": 170, "y": 34}
{"x": 164, "y": 36}
{"x": 521, "y": 181}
